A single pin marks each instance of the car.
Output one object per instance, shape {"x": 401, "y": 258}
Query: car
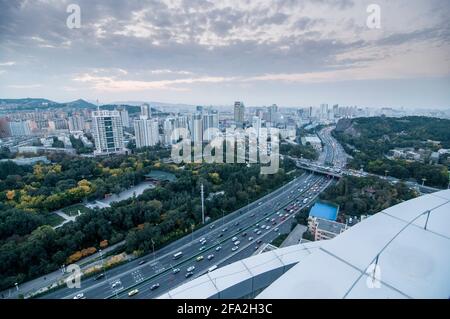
{"x": 267, "y": 219}
{"x": 240, "y": 228}
{"x": 190, "y": 269}
{"x": 189, "y": 274}
{"x": 244, "y": 234}
{"x": 133, "y": 292}
{"x": 267, "y": 227}
{"x": 272, "y": 220}
{"x": 79, "y": 296}
{"x": 237, "y": 242}
{"x": 263, "y": 226}
{"x": 155, "y": 286}
{"x": 276, "y": 229}
{"x": 218, "y": 248}
{"x": 257, "y": 225}
{"x": 255, "y": 230}
{"x": 142, "y": 262}
{"x": 259, "y": 241}
{"x": 210, "y": 256}
{"x": 234, "y": 238}
{"x": 100, "y": 276}
{"x": 199, "y": 258}
{"x": 176, "y": 270}
{"x": 212, "y": 226}
{"x": 220, "y": 235}
{"x": 256, "y": 247}
{"x": 201, "y": 248}
{"x": 252, "y": 215}
{"x": 258, "y": 232}
{"x": 265, "y": 213}
{"x": 202, "y": 240}
{"x": 274, "y": 223}
{"x": 250, "y": 238}
{"x": 236, "y": 223}
{"x": 235, "y": 248}
{"x": 224, "y": 230}
{"x": 116, "y": 283}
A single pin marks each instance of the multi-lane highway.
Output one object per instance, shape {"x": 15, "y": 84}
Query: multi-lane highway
{"x": 144, "y": 272}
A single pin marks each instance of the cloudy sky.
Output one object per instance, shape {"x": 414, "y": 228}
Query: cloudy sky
{"x": 289, "y": 52}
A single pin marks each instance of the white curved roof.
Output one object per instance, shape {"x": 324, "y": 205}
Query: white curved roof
{"x": 413, "y": 250}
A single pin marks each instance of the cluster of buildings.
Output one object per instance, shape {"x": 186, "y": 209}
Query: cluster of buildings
{"x": 110, "y": 131}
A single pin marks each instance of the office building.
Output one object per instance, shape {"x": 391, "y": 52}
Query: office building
{"x": 108, "y": 132}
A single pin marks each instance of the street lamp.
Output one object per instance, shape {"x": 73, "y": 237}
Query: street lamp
{"x": 385, "y": 173}
{"x": 153, "y": 246}
{"x": 17, "y": 286}
{"x": 423, "y": 181}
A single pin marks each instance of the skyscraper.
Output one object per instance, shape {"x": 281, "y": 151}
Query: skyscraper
{"x": 76, "y": 123}
{"x": 197, "y": 128}
{"x": 273, "y": 114}
{"x": 169, "y": 126}
{"x": 210, "y": 120}
{"x": 146, "y": 132}
{"x": 256, "y": 124}
{"x": 108, "y": 132}
{"x": 146, "y": 110}
{"x": 125, "y": 117}
{"x": 239, "y": 110}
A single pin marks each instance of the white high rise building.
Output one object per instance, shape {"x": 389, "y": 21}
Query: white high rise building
{"x": 108, "y": 132}
{"x": 76, "y": 123}
{"x": 182, "y": 123}
{"x": 210, "y": 121}
{"x": 125, "y": 117}
{"x": 169, "y": 126}
{"x": 197, "y": 128}
{"x": 21, "y": 128}
{"x": 146, "y": 111}
{"x": 256, "y": 124}
{"x": 146, "y": 132}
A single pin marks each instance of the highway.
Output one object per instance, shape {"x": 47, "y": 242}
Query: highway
{"x": 160, "y": 265}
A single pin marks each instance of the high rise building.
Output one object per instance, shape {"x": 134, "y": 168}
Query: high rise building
{"x": 146, "y": 132}
{"x": 210, "y": 121}
{"x": 108, "y": 132}
{"x": 20, "y": 128}
{"x": 197, "y": 128}
{"x": 125, "y": 117}
{"x": 146, "y": 111}
{"x": 323, "y": 111}
{"x": 76, "y": 123}
{"x": 168, "y": 127}
{"x": 273, "y": 113}
{"x": 4, "y": 128}
{"x": 182, "y": 123}
{"x": 239, "y": 111}
{"x": 256, "y": 124}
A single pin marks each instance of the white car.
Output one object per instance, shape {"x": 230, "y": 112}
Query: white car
{"x": 234, "y": 238}
{"x": 235, "y": 248}
{"x": 250, "y": 238}
{"x": 267, "y": 227}
{"x": 258, "y": 233}
{"x": 218, "y": 248}
{"x": 202, "y": 240}
{"x": 210, "y": 257}
{"x": 190, "y": 269}
{"x": 79, "y": 296}
{"x": 237, "y": 242}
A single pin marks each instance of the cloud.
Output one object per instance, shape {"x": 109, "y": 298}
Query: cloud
{"x": 24, "y": 86}
{"x": 9, "y": 63}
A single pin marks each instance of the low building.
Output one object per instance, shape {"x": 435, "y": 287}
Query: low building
{"x": 314, "y": 140}
{"x": 323, "y": 229}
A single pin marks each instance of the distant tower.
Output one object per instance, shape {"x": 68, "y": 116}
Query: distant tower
{"x": 239, "y": 111}
{"x": 146, "y": 111}
{"x": 107, "y": 132}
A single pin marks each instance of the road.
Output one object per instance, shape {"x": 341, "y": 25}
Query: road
{"x": 160, "y": 264}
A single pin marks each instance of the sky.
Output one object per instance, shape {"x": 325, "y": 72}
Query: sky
{"x": 200, "y": 52}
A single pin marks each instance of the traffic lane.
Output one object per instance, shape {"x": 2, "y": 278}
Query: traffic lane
{"x": 260, "y": 208}
{"x": 244, "y": 252}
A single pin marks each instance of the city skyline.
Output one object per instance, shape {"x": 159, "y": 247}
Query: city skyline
{"x": 290, "y": 53}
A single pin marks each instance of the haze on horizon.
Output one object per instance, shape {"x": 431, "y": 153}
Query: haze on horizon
{"x": 293, "y": 53}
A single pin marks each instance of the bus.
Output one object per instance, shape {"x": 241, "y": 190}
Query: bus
{"x": 178, "y": 255}
{"x": 212, "y": 268}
